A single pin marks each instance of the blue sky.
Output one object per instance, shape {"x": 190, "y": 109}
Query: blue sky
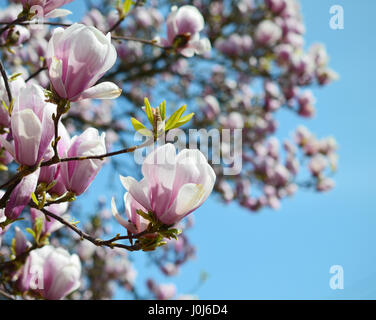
{"x": 287, "y": 254}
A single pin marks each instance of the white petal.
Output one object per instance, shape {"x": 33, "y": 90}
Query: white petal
{"x": 189, "y": 198}
{"x": 57, "y": 13}
{"x": 138, "y": 190}
{"x": 56, "y": 73}
{"x": 116, "y": 214}
{"x": 103, "y": 90}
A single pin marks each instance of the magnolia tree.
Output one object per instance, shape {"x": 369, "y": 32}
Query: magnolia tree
{"x": 77, "y": 96}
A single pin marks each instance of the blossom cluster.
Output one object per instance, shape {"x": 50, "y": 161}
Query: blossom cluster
{"x": 73, "y": 93}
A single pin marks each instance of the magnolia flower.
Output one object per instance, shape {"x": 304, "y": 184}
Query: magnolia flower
{"x": 235, "y": 45}
{"x": 163, "y": 291}
{"x": 77, "y": 58}
{"x": 325, "y": 184}
{"x": 183, "y": 27}
{"x": 268, "y": 33}
{"x": 49, "y": 8}
{"x": 52, "y": 272}
{"x": 174, "y": 185}
{"x": 78, "y": 175}
{"x": 32, "y": 126}
{"x": 21, "y": 195}
{"x": 211, "y": 109}
{"x": 317, "y": 164}
{"x": 276, "y": 6}
{"x": 49, "y": 174}
{"x": 20, "y": 242}
{"x": 306, "y": 102}
{"x": 15, "y": 87}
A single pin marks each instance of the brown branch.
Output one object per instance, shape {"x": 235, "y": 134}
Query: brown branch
{"x": 98, "y": 242}
{"x": 26, "y": 23}
{"x": 144, "y": 41}
{"x": 5, "y": 77}
{"x": 36, "y": 73}
{"x": 18, "y": 21}
{"x": 101, "y": 156}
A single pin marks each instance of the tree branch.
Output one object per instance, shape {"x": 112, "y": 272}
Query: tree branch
{"x": 6, "y": 82}
{"x": 98, "y": 242}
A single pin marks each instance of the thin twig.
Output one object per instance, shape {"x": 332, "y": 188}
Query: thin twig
{"x": 18, "y": 21}
{"x": 84, "y": 235}
{"x": 36, "y": 73}
{"x": 144, "y": 41}
{"x": 5, "y": 77}
{"x": 101, "y": 156}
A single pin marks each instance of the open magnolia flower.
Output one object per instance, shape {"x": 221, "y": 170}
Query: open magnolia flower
{"x": 77, "y": 58}
{"x": 52, "y": 272}
{"x": 183, "y": 31}
{"x": 173, "y": 186}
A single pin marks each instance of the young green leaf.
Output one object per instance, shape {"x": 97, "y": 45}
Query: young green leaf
{"x": 184, "y": 120}
{"x": 34, "y": 198}
{"x": 139, "y": 127}
{"x": 175, "y": 117}
{"x": 163, "y": 109}
{"x": 149, "y": 111}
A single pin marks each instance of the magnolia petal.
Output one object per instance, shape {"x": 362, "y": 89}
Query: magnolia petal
{"x": 138, "y": 190}
{"x": 103, "y": 90}
{"x": 56, "y": 73}
{"x": 116, "y": 214}
{"x": 27, "y": 132}
{"x": 188, "y": 198}
{"x": 21, "y": 195}
{"x": 57, "y": 13}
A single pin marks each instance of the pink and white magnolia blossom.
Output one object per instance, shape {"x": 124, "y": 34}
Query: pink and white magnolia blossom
{"x": 21, "y": 244}
{"x": 268, "y": 33}
{"x": 52, "y": 272}
{"x": 77, "y": 175}
{"x": 325, "y": 184}
{"x": 183, "y": 28}
{"x": 49, "y": 174}
{"x": 32, "y": 130}
{"x": 31, "y": 125}
{"x": 77, "y": 58}
{"x": 15, "y": 87}
{"x": 50, "y": 8}
{"x": 21, "y": 195}
{"x": 174, "y": 185}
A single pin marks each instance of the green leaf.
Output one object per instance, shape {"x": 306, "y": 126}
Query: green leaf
{"x": 149, "y": 111}
{"x": 175, "y": 117}
{"x": 127, "y": 6}
{"x": 13, "y": 77}
{"x": 4, "y": 105}
{"x": 163, "y": 109}
{"x": 139, "y": 127}
{"x": 38, "y": 227}
{"x": 34, "y": 198}
{"x": 31, "y": 232}
{"x": 184, "y": 120}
